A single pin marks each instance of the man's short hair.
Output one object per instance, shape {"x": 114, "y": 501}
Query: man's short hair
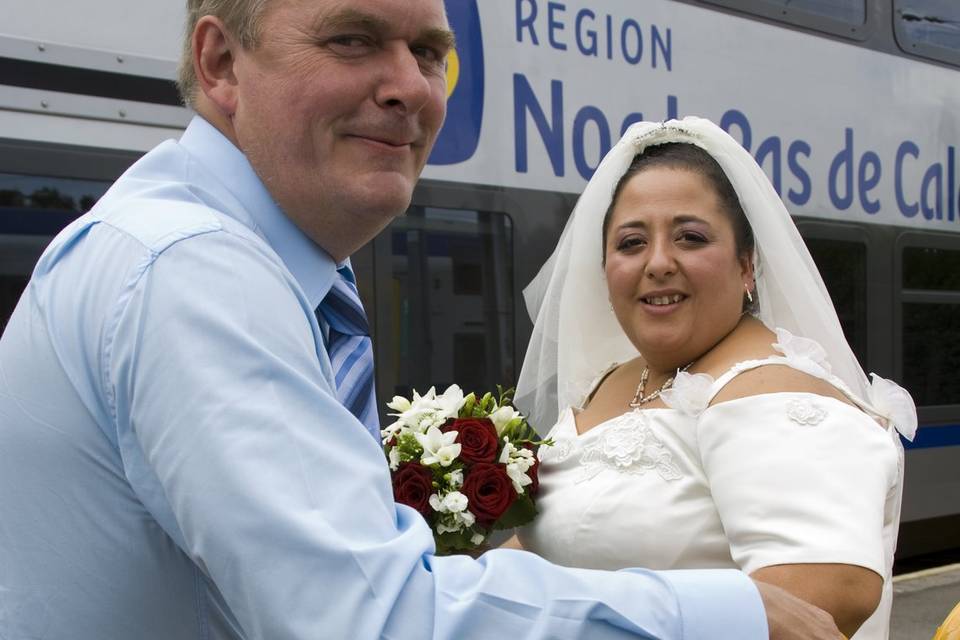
{"x": 242, "y": 18}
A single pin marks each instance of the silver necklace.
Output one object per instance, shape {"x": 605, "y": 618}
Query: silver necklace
{"x": 639, "y": 399}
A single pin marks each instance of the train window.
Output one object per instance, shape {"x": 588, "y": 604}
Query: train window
{"x": 448, "y": 300}
{"x": 843, "y": 266}
{"x": 931, "y": 348}
{"x": 11, "y": 287}
{"x": 931, "y": 268}
{"x": 928, "y": 28}
{"x": 33, "y": 209}
{"x": 840, "y": 17}
{"x": 930, "y": 319}
{"x": 45, "y": 192}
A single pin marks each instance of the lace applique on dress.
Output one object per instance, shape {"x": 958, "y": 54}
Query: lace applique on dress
{"x": 690, "y": 393}
{"x": 628, "y": 445}
{"x": 803, "y": 354}
{"x": 805, "y": 412}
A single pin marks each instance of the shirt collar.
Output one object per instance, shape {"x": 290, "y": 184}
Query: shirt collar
{"x": 310, "y": 265}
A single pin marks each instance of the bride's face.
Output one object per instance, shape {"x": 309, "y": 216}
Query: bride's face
{"x": 675, "y": 280}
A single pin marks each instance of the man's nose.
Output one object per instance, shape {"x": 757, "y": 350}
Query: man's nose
{"x": 403, "y": 81}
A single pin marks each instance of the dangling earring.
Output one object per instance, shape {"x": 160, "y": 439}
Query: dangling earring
{"x": 749, "y": 295}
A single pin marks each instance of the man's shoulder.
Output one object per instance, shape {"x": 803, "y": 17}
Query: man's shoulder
{"x": 163, "y": 199}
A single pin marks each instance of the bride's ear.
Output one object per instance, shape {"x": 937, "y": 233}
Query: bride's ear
{"x": 746, "y": 268}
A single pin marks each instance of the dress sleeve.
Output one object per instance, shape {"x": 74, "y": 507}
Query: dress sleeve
{"x": 798, "y": 478}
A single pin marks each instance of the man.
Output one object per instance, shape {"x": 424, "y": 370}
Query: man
{"x": 176, "y": 457}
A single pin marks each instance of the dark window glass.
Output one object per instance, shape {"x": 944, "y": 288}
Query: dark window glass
{"x": 932, "y": 269}
{"x": 843, "y": 266}
{"x": 450, "y": 301}
{"x": 11, "y": 287}
{"x": 41, "y": 205}
{"x": 931, "y": 352}
{"x": 929, "y": 28}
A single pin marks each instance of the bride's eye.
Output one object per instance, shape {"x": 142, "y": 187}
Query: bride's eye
{"x": 630, "y": 242}
{"x": 692, "y": 237}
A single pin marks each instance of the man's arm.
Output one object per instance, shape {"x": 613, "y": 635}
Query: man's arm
{"x": 285, "y": 501}
{"x": 790, "y": 618}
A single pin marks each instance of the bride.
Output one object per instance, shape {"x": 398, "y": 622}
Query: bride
{"x": 708, "y": 411}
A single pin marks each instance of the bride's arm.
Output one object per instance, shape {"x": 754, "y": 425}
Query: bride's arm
{"x": 512, "y": 543}
{"x": 814, "y": 484}
{"x": 848, "y": 593}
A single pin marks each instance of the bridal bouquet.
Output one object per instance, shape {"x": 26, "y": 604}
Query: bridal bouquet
{"x": 468, "y": 465}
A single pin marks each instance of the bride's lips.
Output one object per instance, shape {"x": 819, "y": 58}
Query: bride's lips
{"x": 662, "y": 301}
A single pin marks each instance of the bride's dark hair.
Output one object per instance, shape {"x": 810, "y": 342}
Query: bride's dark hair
{"x": 683, "y": 155}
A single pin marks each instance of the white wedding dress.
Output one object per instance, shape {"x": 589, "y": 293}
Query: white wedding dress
{"x": 758, "y": 481}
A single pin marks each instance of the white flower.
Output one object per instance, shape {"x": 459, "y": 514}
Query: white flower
{"x": 502, "y": 417}
{"x": 894, "y": 403}
{"x": 455, "y": 521}
{"x": 391, "y": 430}
{"x": 517, "y": 461}
{"x": 453, "y": 502}
{"x": 438, "y": 447}
{"x": 399, "y": 403}
{"x": 450, "y": 402}
{"x": 518, "y": 475}
{"x": 454, "y": 479}
{"x": 428, "y": 410}
{"x": 394, "y": 457}
{"x": 477, "y": 539}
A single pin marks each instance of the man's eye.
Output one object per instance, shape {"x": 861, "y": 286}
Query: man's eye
{"x": 350, "y": 43}
{"x": 430, "y": 57}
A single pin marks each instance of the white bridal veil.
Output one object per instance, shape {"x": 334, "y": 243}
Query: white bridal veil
{"x": 576, "y": 335}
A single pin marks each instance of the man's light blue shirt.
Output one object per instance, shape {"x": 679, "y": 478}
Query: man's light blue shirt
{"x": 174, "y": 463}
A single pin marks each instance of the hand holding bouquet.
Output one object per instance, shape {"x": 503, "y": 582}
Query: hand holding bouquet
{"x": 468, "y": 466}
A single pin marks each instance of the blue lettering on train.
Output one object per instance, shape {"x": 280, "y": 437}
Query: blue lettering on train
{"x": 626, "y": 37}
{"x": 583, "y": 133}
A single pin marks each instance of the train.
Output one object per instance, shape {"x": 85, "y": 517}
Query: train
{"x": 852, "y": 107}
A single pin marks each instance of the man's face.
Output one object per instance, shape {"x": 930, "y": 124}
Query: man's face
{"x": 339, "y": 106}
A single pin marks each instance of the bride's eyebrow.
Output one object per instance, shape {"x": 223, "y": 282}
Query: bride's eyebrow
{"x": 684, "y": 219}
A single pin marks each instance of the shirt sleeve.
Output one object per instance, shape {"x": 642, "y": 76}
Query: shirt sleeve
{"x": 798, "y": 478}
{"x": 230, "y": 432}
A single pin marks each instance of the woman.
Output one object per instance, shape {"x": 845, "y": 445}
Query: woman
{"x": 722, "y": 435}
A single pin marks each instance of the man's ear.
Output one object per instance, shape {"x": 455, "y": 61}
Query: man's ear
{"x": 213, "y": 63}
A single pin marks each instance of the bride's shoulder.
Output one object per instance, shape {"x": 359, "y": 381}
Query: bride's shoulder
{"x": 790, "y": 367}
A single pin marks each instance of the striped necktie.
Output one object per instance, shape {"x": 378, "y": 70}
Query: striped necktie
{"x": 350, "y": 349}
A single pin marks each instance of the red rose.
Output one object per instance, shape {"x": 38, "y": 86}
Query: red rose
{"x": 477, "y": 437}
{"x": 489, "y": 491}
{"x": 412, "y": 486}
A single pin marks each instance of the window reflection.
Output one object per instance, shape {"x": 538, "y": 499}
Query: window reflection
{"x": 931, "y": 324}
{"x": 450, "y": 300}
{"x": 931, "y": 352}
{"x": 843, "y": 267}
{"x": 929, "y": 28}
